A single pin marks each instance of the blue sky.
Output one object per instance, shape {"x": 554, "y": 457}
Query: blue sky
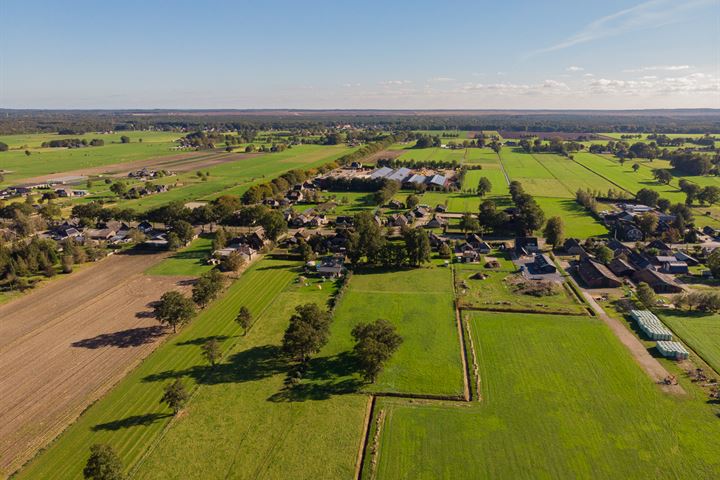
{"x": 369, "y": 54}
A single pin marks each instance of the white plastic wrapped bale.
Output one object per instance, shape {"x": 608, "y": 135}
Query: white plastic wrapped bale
{"x": 672, "y": 350}
{"x": 651, "y": 325}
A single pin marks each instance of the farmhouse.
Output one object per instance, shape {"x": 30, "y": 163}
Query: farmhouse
{"x": 436, "y": 222}
{"x": 573, "y": 247}
{"x": 620, "y": 266}
{"x": 597, "y": 275}
{"x": 526, "y": 246}
{"x": 659, "y": 282}
{"x": 331, "y": 266}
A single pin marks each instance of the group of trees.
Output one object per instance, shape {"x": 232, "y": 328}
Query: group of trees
{"x": 73, "y": 143}
{"x": 704, "y": 301}
{"x": 366, "y": 241}
{"x": 387, "y": 191}
{"x": 553, "y": 145}
{"x": 528, "y": 216}
{"x": 709, "y": 194}
{"x": 690, "y": 163}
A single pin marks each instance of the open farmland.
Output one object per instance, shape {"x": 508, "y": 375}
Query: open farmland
{"x": 130, "y": 417}
{"x": 236, "y": 177}
{"x": 536, "y": 179}
{"x": 701, "y": 331}
{"x": 65, "y": 344}
{"x": 420, "y": 304}
{"x": 579, "y": 223}
{"x": 245, "y": 423}
{"x": 46, "y": 161}
{"x": 434, "y": 154}
{"x": 561, "y": 399}
{"x": 493, "y": 173}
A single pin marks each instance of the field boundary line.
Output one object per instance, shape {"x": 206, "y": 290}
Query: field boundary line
{"x": 603, "y": 176}
{"x": 502, "y": 167}
{"x": 526, "y": 311}
{"x": 553, "y": 174}
{"x": 476, "y": 366}
{"x": 365, "y": 438}
{"x": 461, "y": 338}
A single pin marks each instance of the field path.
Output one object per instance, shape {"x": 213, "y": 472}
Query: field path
{"x": 65, "y": 344}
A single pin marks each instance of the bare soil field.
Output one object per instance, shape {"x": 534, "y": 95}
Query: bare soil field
{"x": 65, "y": 344}
{"x": 181, "y": 162}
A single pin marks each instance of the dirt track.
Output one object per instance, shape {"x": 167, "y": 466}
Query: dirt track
{"x": 181, "y": 162}
{"x": 65, "y": 344}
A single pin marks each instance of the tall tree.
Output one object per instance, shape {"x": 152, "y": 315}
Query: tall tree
{"x": 555, "y": 231}
{"x": 375, "y": 343}
{"x": 103, "y": 464}
{"x": 207, "y": 288}
{"x": 174, "y": 309}
{"x": 244, "y": 319}
{"x": 645, "y": 294}
{"x": 484, "y": 186}
{"x": 307, "y": 333}
{"x": 212, "y": 352}
{"x": 175, "y": 395}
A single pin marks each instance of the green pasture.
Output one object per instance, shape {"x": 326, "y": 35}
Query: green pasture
{"x": 561, "y": 398}
{"x": 130, "y": 417}
{"x": 493, "y": 173}
{"x": 236, "y": 177}
{"x": 419, "y": 303}
{"x": 579, "y": 223}
{"x": 245, "y": 423}
{"x": 190, "y": 261}
{"x": 701, "y": 331}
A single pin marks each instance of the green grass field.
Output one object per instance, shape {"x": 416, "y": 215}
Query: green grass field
{"x": 535, "y": 178}
{"x": 44, "y": 161}
{"x": 419, "y": 303}
{"x": 234, "y": 178}
{"x": 699, "y": 330}
{"x": 244, "y": 423}
{"x": 492, "y": 172}
{"x": 130, "y": 417}
{"x": 189, "y": 261}
{"x": 429, "y": 154}
{"x": 497, "y": 293}
{"x": 561, "y": 399}
{"x": 578, "y": 222}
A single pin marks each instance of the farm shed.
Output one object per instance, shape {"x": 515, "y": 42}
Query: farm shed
{"x": 659, "y": 282}
{"x": 620, "y": 266}
{"x": 672, "y": 350}
{"x": 543, "y": 264}
{"x": 651, "y": 325}
{"x": 597, "y": 275}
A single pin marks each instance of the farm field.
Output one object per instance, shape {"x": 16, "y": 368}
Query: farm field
{"x": 190, "y": 261}
{"x": 572, "y": 175}
{"x": 561, "y": 399}
{"x": 625, "y": 178}
{"x": 130, "y": 416}
{"x": 45, "y": 161}
{"x": 244, "y": 423}
{"x": 64, "y": 344}
{"x": 578, "y": 222}
{"x": 430, "y": 154}
{"x": 420, "y": 304}
{"x": 700, "y": 331}
{"x": 497, "y": 292}
{"x": 491, "y": 172}
{"x": 481, "y": 155}
{"x": 236, "y": 177}
{"x": 536, "y": 179}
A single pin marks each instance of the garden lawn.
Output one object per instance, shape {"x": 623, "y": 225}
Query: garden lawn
{"x": 189, "y": 261}
{"x": 130, "y": 417}
{"x": 562, "y": 398}
{"x": 701, "y": 331}
{"x": 495, "y": 293}
{"x": 244, "y": 423}
{"x": 419, "y": 303}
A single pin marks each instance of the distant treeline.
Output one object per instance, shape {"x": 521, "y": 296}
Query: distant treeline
{"x": 664, "y": 121}
{"x": 73, "y": 143}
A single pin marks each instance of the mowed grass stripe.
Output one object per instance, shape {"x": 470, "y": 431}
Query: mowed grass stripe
{"x": 130, "y": 416}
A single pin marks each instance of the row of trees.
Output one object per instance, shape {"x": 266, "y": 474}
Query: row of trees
{"x": 366, "y": 241}
{"x": 73, "y": 143}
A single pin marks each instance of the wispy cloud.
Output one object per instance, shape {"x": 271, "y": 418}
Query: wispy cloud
{"x": 441, "y": 79}
{"x": 574, "y": 68}
{"x": 649, "y": 14}
{"x": 388, "y": 83}
{"x": 659, "y": 68}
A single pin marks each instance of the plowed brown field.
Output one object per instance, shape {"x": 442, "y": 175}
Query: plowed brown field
{"x": 65, "y": 344}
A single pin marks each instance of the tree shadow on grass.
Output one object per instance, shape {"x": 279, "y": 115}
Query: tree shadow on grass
{"x": 133, "y": 421}
{"x": 133, "y": 337}
{"x": 204, "y": 340}
{"x": 323, "y": 378}
{"x": 249, "y": 365}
